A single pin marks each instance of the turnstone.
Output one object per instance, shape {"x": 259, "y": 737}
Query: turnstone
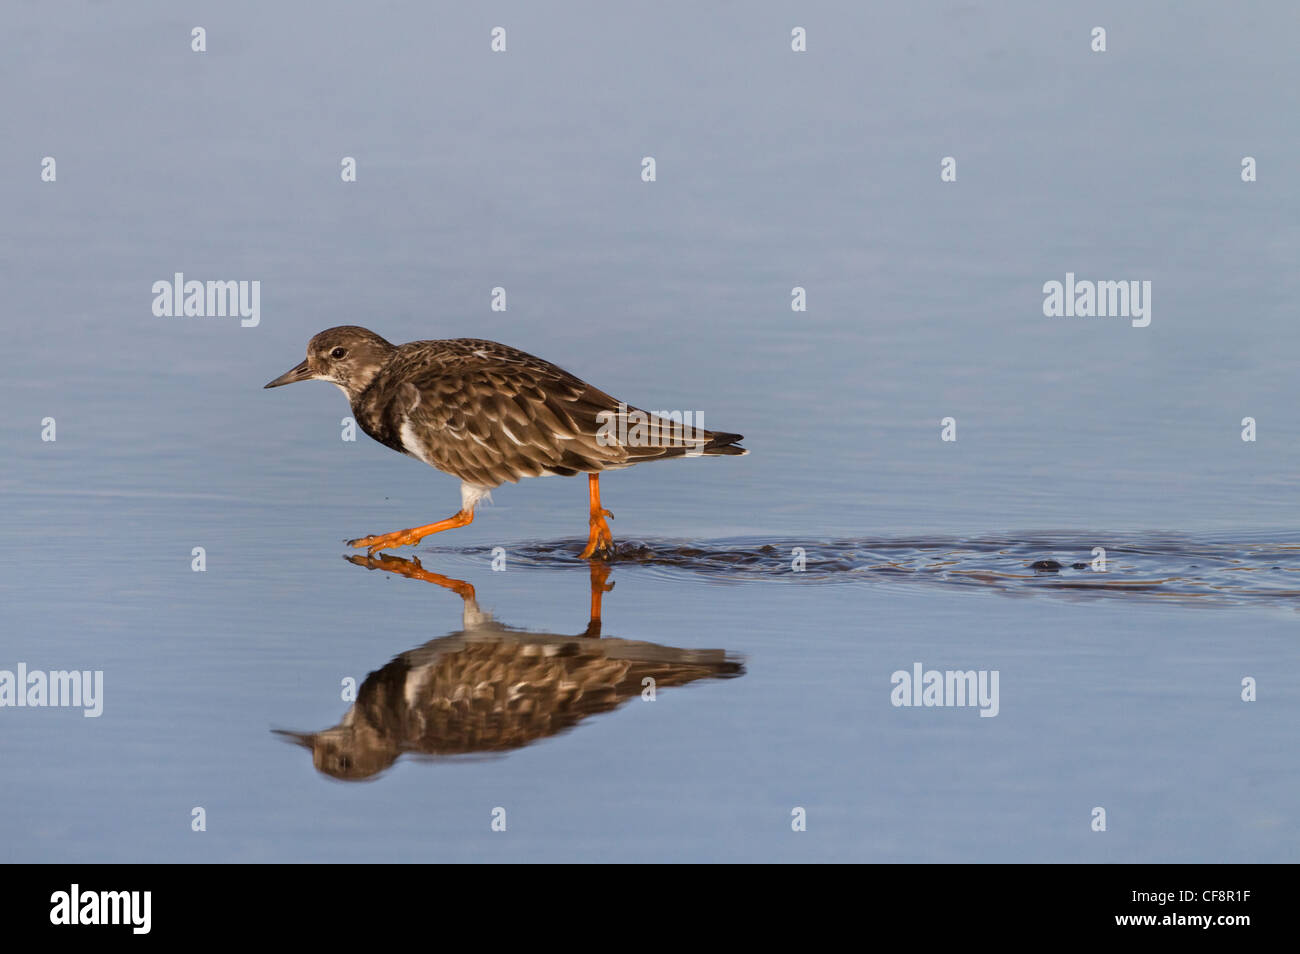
{"x": 492, "y": 687}
{"x": 487, "y": 413}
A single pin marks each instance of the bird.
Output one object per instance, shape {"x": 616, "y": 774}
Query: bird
{"x": 493, "y": 688}
{"x": 487, "y": 413}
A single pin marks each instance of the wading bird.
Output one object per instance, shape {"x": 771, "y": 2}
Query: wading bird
{"x": 492, "y": 687}
{"x": 487, "y": 413}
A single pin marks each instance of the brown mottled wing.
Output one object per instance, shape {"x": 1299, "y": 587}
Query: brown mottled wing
{"x": 488, "y": 413}
{"x": 496, "y": 693}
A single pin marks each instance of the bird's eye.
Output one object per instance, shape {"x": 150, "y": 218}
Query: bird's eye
{"x": 338, "y": 352}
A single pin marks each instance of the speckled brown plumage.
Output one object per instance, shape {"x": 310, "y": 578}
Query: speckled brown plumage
{"x": 492, "y": 687}
{"x": 489, "y": 414}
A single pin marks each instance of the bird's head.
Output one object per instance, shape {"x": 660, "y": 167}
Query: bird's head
{"x": 349, "y": 753}
{"x": 348, "y": 356}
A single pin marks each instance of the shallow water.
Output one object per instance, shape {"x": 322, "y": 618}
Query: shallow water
{"x": 1164, "y": 567}
{"x": 1119, "y": 689}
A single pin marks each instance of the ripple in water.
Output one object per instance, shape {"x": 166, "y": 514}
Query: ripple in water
{"x": 1243, "y": 569}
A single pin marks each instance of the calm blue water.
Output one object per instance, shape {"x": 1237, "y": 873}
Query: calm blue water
{"x": 1119, "y": 690}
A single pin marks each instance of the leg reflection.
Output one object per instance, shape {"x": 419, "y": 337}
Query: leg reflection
{"x": 412, "y": 569}
{"x": 491, "y": 687}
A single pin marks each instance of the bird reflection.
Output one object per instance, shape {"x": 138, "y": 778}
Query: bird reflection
{"x": 492, "y": 687}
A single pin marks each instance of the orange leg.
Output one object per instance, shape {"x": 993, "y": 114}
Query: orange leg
{"x": 599, "y": 587}
{"x": 411, "y": 569}
{"x": 406, "y": 538}
{"x": 599, "y": 537}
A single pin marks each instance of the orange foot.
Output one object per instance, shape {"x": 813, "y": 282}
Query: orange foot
{"x": 600, "y": 539}
{"x": 412, "y": 570}
{"x": 599, "y": 583}
{"x": 408, "y": 538}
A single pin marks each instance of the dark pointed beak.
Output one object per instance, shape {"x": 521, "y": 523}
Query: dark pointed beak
{"x": 300, "y": 373}
{"x": 305, "y": 739}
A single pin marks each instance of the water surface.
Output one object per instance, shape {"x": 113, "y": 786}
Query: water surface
{"x": 1120, "y": 689}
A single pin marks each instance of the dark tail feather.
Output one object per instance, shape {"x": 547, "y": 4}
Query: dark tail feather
{"x": 719, "y": 445}
{"x": 724, "y": 444}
